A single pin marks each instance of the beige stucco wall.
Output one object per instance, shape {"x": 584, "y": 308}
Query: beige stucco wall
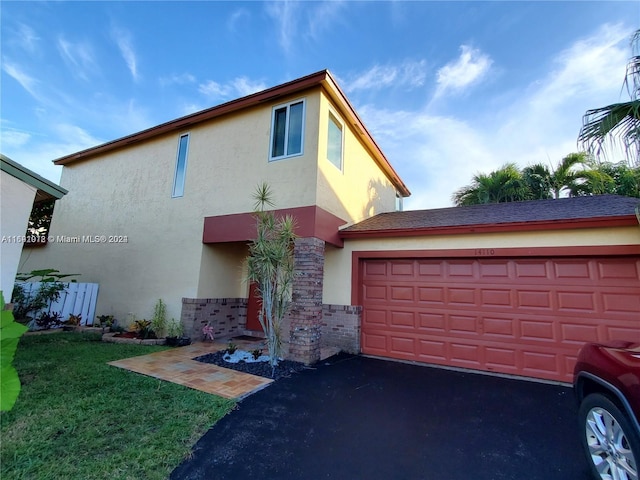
{"x": 127, "y": 193}
{"x": 358, "y": 191}
{"x": 338, "y": 262}
{"x": 16, "y": 202}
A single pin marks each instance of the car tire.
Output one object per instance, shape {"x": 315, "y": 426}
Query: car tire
{"x": 611, "y": 444}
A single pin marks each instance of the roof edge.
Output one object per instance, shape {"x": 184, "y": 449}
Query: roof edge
{"x": 567, "y": 224}
{"x": 30, "y": 177}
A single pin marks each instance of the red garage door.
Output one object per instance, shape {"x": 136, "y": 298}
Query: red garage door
{"x": 522, "y": 316}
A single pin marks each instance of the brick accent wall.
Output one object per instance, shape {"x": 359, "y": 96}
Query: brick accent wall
{"x": 228, "y": 316}
{"x": 341, "y": 327}
{"x": 306, "y": 307}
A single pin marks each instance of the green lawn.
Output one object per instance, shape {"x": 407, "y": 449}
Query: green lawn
{"x": 79, "y": 418}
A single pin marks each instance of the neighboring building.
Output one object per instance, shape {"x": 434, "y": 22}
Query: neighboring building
{"x": 511, "y": 288}
{"x": 20, "y": 188}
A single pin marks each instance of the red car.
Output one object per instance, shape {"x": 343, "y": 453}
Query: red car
{"x": 607, "y": 386}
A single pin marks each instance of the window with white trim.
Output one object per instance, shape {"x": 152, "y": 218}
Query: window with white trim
{"x": 335, "y": 141}
{"x": 287, "y": 130}
{"x": 181, "y": 166}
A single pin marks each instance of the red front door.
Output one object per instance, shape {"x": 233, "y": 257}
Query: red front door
{"x": 254, "y": 304}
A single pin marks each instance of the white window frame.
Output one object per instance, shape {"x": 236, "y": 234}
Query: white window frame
{"x": 178, "y": 184}
{"x": 336, "y": 119}
{"x": 286, "y": 133}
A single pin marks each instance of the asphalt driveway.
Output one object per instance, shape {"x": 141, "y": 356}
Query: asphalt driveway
{"x": 360, "y": 418}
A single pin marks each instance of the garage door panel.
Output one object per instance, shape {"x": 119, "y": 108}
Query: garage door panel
{"x": 579, "y": 333}
{"x": 462, "y": 324}
{"x": 575, "y": 302}
{"x": 537, "y": 330}
{"x": 375, "y": 292}
{"x": 402, "y": 319}
{"x": 502, "y": 359}
{"x": 531, "y": 270}
{"x": 375, "y": 269}
{"x": 403, "y": 345}
{"x": 461, "y": 296}
{"x": 496, "y": 298}
{"x": 538, "y": 299}
{"x": 499, "y": 327}
{"x": 375, "y": 343}
{"x": 402, "y": 292}
{"x": 630, "y": 333}
{"x": 432, "y": 295}
{"x": 432, "y": 322}
{"x": 374, "y": 317}
{"x": 618, "y": 269}
{"x": 621, "y": 302}
{"x": 520, "y": 316}
{"x": 432, "y": 351}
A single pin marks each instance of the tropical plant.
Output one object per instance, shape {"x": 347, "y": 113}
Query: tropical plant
{"x": 10, "y": 333}
{"x": 159, "y": 320}
{"x": 625, "y": 180}
{"x": 271, "y": 266}
{"x": 503, "y": 185}
{"x": 620, "y": 122}
{"x": 30, "y": 304}
{"x": 573, "y": 175}
{"x": 576, "y": 174}
{"x": 174, "y": 328}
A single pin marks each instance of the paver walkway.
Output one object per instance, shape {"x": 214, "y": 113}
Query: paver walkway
{"x": 177, "y": 365}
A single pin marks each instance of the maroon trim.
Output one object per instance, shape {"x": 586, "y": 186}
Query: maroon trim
{"x": 311, "y": 221}
{"x": 358, "y": 258}
{"x": 540, "y": 225}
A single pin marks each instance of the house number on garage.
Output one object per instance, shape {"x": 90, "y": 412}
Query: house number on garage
{"x": 484, "y": 251}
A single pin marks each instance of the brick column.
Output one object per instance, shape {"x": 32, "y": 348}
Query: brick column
{"x": 306, "y": 306}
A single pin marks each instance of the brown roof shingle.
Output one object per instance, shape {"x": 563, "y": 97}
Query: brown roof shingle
{"x": 561, "y": 213}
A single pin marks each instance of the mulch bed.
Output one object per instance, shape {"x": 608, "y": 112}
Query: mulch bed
{"x": 285, "y": 368}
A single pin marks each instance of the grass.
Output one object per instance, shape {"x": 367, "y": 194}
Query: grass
{"x": 79, "y": 418}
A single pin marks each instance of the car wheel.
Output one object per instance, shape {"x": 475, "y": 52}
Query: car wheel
{"x": 610, "y": 442}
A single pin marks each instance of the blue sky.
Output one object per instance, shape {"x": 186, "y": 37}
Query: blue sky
{"x": 447, "y": 89}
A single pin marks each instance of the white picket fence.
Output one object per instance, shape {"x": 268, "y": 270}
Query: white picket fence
{"x": 77, "y": 299}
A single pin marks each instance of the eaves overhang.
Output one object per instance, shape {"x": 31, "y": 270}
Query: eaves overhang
{"x": 544, "y": 225}
{"x": 322, "y": 79}
{"x": 46, "y": 190}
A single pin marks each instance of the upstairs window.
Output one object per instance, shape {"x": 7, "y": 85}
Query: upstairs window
{"x": 334, "y": 142}
{"x": 287, "y": 127}
{"x": 181, "y": 166}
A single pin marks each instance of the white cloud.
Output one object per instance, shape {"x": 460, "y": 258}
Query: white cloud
{"x": 238, "y": 87}
{"x": 27, "y": 82}
{"x": 125, "y": 45}
{"x": 13, "y": 138}
{"x": 312, "y": 18}
{"x": 182, "y": 79}
{"x": 409, "y": 74}
{"x": 237, "y": 18}
{"x": 437, "y": 155}
{"x": 26, "y": 38}
{"x": 470, "y": 67}
{"x": 78, "y": 57}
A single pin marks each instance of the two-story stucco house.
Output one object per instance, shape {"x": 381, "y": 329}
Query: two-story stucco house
{"x": 166, "y": 212}
{"x": 512, "y": 288}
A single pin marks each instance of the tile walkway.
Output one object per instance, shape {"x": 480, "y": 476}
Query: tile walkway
{"x": 177, "y": 365}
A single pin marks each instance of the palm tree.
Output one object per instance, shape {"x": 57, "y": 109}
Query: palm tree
{"x": 619, "y": 121}
{"x": 503, "y": 185}
{"x": 625, "y": 180}
{"x": 574, "y": 173}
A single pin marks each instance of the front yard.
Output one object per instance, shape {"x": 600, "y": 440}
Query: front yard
{"x": 79, "y": 418}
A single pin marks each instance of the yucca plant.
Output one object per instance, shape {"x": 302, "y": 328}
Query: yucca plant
{"x": 271, "y": 266}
